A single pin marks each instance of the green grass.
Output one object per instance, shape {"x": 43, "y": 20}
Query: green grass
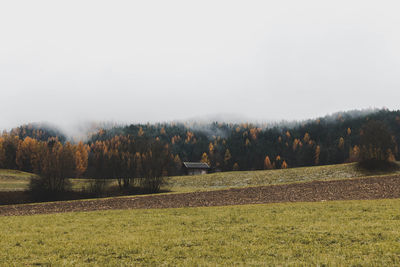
{"x": 268, "y": 177}
{"x": 344, "y": 233}
{"x": 16, "y": 180}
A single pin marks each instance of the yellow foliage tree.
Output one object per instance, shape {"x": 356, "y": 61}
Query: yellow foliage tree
{"x": 254, "y": 133}
{"x": 306, "y": 138}
{"x": 267, "y": 163}
{"x": 295, "y": 144}
{"x": 211, "y": 148}
{"x": 341, "y": 143}
{"x": 81, "y": 158}
{"x": 25, "y": 154}
{"x": 391, "y": 156}
{"x": 284, "y": 165}
{"x": 162, "y": 131}
{"x": 354, "y": 154}
{"x": 204, "y": 159}
{"x": 247, "y": 142}
{"x": 141, "y": 132}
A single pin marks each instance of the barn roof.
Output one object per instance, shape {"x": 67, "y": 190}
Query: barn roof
{"x": 196, "y": 165}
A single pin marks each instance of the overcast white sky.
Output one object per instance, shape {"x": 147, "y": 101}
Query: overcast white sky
{"x": 139, "y": 61}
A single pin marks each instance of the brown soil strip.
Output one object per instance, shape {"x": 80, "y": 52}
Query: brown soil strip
{"x": 352, "y": 189}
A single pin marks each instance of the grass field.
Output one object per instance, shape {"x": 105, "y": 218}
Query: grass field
{"x": 11, "y": 180}
{"x": 358, "y": 233}
{"x": 253, "y": 178}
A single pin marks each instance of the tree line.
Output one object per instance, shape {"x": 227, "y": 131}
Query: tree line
{"x": 145, "y": 153}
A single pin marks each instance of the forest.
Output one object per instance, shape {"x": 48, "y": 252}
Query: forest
{"x": 158, "y": 150}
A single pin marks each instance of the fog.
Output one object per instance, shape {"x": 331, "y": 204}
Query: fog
{"x": 73, "y": 62}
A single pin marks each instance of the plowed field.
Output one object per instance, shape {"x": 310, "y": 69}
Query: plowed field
{"x": 351, "y": 189}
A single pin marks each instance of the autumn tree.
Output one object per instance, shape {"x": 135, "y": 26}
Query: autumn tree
{"x": 354, "y": 154}
{"x": 140, "y": 132}
{"x": 57, "y": 164}
{"x": 157, "y": 164}
{"x": 204, "y": 159}
{"x": 306, "y": 138}
{"x": 26, "y": 154}
{"x": 81, "y": 158}
{"x": 284, "y": 165}
{"x": 267, "y": 163}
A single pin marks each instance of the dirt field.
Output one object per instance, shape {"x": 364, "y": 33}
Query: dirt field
{"x": 352, "y": 189}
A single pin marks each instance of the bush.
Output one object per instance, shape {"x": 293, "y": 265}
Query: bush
{"x": 43, "y": 188}
{"x": 98, "y": 187}
{"x": 152, "y": 184}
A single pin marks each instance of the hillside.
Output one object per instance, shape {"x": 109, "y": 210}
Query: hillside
{"x": 11, "y": 180}
{"x": 268, "y": 177}
{"x": 137, "y": 150}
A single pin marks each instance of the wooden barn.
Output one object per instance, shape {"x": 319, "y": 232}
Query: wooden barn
{"x": 195, "y": 168}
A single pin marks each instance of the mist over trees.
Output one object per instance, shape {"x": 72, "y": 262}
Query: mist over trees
{"x": 328, "y": 140}
{"x": 145, "y": 153}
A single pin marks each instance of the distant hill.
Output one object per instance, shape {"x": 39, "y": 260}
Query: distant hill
{"x": 332, "y": 139}
{"x": 327, "y": 140}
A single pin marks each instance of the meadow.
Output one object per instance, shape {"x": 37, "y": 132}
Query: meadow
{"x": 223, "y": 180}
{"x": 11, "y": 180}
{"x": 357, "y": 233}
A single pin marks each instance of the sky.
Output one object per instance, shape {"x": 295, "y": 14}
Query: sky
{"x": 65, "y": 62}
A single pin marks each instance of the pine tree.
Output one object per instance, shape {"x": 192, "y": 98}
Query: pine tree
{"x": 2, "y": 153}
